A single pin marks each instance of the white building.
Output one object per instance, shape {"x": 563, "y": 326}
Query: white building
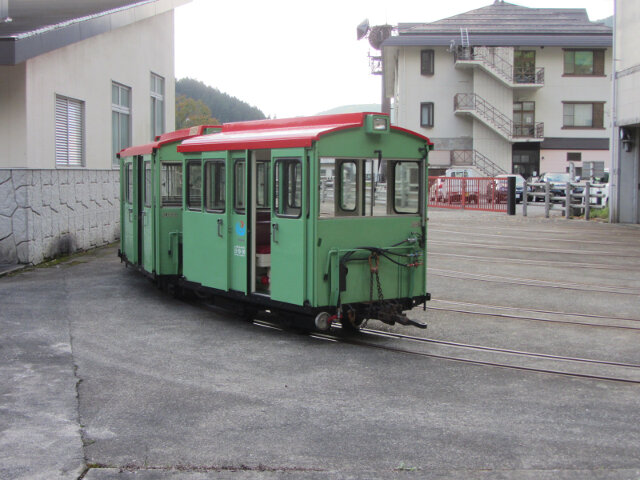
{"x": 505, "y": 88}
{"x": 625, "y": 186}
{"x": 78, "y": 81}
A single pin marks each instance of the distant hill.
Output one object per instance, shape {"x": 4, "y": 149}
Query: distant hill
{"x": 223, "y": 107}
{"x": 607, "y": 21}
{"x": 366, "y": 107}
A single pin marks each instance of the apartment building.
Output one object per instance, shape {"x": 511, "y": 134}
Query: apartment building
{"x": 78, "y": 82}
{"x": 505, "y": 88}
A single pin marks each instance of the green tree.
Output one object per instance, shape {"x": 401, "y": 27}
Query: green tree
{"x": 190, "y": 112}
{"x": 223, "y": 106}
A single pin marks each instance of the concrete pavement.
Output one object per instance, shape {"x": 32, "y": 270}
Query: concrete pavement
{"x": 104, "y": 376}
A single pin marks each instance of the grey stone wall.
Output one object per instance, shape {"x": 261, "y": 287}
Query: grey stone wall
{"x": 45, "y": 213}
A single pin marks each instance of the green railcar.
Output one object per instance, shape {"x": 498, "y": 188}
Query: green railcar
{"x": 151, "y": 204}
{"x": 316, "y": 218}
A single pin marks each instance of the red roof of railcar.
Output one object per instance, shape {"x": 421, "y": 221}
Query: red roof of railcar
{"x": 279, "y": 133}
{"x": 170, "y": 137}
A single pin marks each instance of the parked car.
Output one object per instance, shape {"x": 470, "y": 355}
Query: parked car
{"x": 557, "y": 185}
{"x": 497, "y": 191}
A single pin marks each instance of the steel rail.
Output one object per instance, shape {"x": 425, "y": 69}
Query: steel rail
{"x": 529, "y": 238}
{"x": 531, "y": 249}
{"x": 535, "y": 319}
{"x": 354, "y": 341}
{"x": 551, "y": 312}
{"x": 521, "y": 353}
{"x": 534, "y": 283}
{"x": 551, "y": 263}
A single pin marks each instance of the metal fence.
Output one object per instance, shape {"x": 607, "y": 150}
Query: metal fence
{"x": 470, "y": 193}
{"x": 576, "y": 198}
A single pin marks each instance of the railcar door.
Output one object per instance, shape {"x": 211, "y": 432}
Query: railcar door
{"x": 146, "y": 217}
{"x": 215, "y": 217}
{"x": 288, "y": 219}
{"x": 129, "y": 212}
{"x": 238, "y": 220}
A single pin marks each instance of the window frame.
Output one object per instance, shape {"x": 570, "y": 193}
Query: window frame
{"x": 598, "y": 68}
{"x": 597, "y": 112}
{"x": 157, "y": 98}
{"x": 431, "y": 107}
{"x": 148, "y": 184}
{"x": 189, "y": 163}
{"x": 163, "y": 199}
{"x": 427, "y": 62}
{"x": 128, "y": 197}
{"x": 69, "y": 135}
{"x": 215, "y": 162}
{"x": 236, "y": 163}
{"x": 281, "y": 209}
{"x": 395, "y": 164}
{"x": 121, "y": 112}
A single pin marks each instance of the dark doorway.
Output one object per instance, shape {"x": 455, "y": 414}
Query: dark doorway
{"x": 526, "y": 159}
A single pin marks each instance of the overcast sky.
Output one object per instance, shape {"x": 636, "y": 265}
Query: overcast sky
{"x": 296, "y": 57}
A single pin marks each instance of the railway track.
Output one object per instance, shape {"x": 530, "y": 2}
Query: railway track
{"x": 572, "y": 241}
{"x": 563, "y": 251}
{"x": 581, "y": 319}
{"x": 482, "y": 355}
{"x": 483, "y": 277}
{"x": 541, "y": 263}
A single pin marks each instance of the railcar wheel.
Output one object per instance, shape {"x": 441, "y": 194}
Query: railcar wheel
{"x": 351, "y": 322}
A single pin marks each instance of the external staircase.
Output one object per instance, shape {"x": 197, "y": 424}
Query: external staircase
{"x": 474, "y": 105}
{"x": 492, "y": 62}
{"x": 478, "y": 161}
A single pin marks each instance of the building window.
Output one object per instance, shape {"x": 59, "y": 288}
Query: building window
{"x": 426, "y": 62}
{"x": 574, "y": 156}
{"x": 584, "y": 62}
{"x": 69, "y": 132}
{"x": 524, "y": 114}
{"x": 426, "y": 114}
{"x": 157, "y": 106}
{"x": 583, "y": 115}
{"x": 120, "y": 119}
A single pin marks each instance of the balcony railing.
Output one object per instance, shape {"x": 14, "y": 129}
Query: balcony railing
{"x": 501, "y": 66}
{"x": 471, "y": 102}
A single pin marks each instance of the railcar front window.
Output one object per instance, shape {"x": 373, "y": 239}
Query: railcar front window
{"x": 194, "y": 185}
{"x": 171, "y": 184}
{"x": 348, "y": 186}
{"x": 214, "y": 173}
{"x": 406, "y": 187}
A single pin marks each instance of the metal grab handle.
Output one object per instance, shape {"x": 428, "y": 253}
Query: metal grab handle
{"x": 220, "y": 227}
{"x": 274, "y": 229}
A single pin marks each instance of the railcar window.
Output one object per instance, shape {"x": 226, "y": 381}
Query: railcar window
{"x": 262, "y": 185}
{"x": 327, "y": 187}
{"x": 239, "y": 181}
{"x": 368, "y": 187}
{"x": 147, "y": 184}
{"x": 348, "y": 176}
{"x": 129, "y": 198}
{"x": 406, "y": 187}
{"x": 287, "y": 195}
{"x": 171, "y": 184}
{"x": 194, "y": 185}
{"x": 214, "y": 173}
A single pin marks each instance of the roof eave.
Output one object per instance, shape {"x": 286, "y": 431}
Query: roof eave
{"x": 19, "y": 48}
